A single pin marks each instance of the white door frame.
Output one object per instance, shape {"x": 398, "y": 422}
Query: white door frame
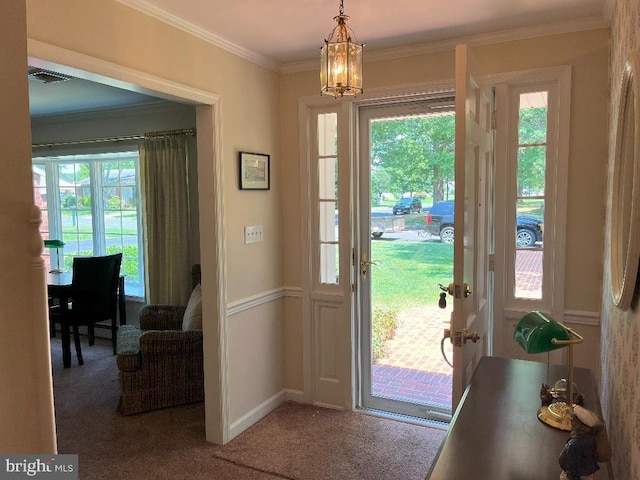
{"x": 338, "y": 348}
{"x": 210, "y": 168}
{"x": 412, "y": 106}
{"x": 508, "y": 311}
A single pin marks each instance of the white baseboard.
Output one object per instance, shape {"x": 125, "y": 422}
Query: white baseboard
{"x": 258, "y": 413}
{"x": 294, "y": 395}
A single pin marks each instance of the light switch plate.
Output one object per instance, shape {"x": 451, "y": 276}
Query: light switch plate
{"x": 253, "y": 234}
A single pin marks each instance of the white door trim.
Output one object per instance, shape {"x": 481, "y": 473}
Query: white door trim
{"x": 347, "y": 354}
{"x": 210, "y": 168}
{"x": 555, "y": 232}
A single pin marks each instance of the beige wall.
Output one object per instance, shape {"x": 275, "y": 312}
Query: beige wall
{"x": 249, "y": 106}
{"x": 26, "y": 404}
{"x": 249, "y": 97}
{"x": 260, "y": 113}
{"x": 620, "y": 383}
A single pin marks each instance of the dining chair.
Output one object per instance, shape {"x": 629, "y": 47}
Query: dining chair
{"x": 91, "y": 297}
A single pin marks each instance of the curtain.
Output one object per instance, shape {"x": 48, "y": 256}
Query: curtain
{"x": 166, "y": 219}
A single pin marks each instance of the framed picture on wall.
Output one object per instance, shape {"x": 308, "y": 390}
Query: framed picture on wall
{"x": 254, "y": 171}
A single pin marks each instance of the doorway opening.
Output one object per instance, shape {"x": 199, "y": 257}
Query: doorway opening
{"x": 406, "y": 223}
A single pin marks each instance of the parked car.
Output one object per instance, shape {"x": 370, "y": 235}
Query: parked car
{"x": 440, "y": 223}
{"x": 407, "y": 205}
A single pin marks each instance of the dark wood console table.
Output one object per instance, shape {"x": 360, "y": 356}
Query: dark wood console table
{"x": 495, "y": 433}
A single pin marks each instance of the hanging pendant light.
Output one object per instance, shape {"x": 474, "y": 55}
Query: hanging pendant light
{"x": 341, "y": 61}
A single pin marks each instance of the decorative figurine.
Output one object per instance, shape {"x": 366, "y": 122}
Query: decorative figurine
{"x": 579, "y": 457}
{"x": 545, "y": 395}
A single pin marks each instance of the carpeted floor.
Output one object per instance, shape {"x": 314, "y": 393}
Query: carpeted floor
{"x": 295, "y": 441}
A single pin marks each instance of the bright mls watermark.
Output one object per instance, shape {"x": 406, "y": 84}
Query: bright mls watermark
{"x": 50, "y": 467}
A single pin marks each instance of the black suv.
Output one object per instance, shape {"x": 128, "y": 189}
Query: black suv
{"x": 407, "y": 205}
{"x": 440, "y": 222}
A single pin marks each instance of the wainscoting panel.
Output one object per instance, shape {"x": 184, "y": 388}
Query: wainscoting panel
{"x": 328, "y": 376}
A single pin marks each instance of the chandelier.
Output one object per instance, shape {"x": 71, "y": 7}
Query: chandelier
{"x": 341, "y": 61}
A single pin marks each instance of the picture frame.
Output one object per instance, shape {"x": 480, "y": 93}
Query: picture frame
{"x": 254, "y": 170}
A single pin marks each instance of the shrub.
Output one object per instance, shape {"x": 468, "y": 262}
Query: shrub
{"x": 114, "y": 202}
{"x": 383, "y": 328}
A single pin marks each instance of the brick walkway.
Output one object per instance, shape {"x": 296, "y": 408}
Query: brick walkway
{"x": 414, "y": 369}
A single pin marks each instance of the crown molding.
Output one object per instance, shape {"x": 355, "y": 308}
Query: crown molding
{"x": 177, "y": 22}
{"x": 591, "y": 23}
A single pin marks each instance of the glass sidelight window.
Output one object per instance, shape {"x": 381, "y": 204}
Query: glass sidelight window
{"x": 530, "y": 194}
{"x": 531, "y": 177}
{"x": 327, "y": 198}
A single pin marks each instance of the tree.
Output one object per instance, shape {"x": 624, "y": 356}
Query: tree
{"x": 532, "y": 150}
{"x": 380, "y": 183}
{"x": 415, "y": 153}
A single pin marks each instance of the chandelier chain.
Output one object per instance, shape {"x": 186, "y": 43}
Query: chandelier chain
{"x": 341, "y": 8}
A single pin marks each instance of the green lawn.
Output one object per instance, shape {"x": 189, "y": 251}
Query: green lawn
{"x": 409, "y": 272}
{"x": 407, "y": 276}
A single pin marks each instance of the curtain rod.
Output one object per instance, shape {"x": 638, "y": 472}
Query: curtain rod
{"x": 166, "y": 133}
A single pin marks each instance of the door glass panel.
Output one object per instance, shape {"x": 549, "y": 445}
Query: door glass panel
{"x": 411, "y": 165}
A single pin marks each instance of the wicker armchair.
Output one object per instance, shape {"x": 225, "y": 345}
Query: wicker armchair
{"x": 160, "y": 364}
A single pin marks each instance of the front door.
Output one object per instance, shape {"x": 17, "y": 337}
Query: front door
{"x": 406, "y": 166}
{"x": 404, "y": 179}
{"x": 472, "y": 244}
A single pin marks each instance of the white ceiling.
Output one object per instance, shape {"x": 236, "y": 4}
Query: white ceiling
{"x": 281, "y": 34}
{"x": 292, "y": 31}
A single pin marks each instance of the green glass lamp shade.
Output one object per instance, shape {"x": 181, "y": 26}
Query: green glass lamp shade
{"x": 53, "y": 243}
{"x": 535, "y": 331}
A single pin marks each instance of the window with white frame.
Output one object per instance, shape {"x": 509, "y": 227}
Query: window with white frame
{"x": 531, "y": 178}
{"x": 92, "y": 203}
{"x": 531, "y": 161}
{"x": 326, "y": 164}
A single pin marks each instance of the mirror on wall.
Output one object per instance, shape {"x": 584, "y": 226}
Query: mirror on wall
{"x": 625, "y": 208}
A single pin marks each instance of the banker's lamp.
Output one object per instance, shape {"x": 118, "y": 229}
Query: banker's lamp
{"x": 537, "y": 333}
{"x": 57, "y": 244}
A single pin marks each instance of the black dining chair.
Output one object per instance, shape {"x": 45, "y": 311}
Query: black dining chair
{"x": 92, "y": 297}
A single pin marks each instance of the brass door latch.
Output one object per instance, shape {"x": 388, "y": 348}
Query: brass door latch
{"x": 364, "y": 263}
{"x": 459, "y": 338}
{"x": 456, "y": 291}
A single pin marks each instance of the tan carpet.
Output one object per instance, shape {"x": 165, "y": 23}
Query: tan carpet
{"x": 306, "y": 442}
{"x": 295, "y": 441}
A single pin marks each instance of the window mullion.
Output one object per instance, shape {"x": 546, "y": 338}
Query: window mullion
{"x": 97, "y": 208}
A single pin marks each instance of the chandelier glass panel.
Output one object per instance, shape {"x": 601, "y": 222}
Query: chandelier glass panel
{"x": 341, "y": 61}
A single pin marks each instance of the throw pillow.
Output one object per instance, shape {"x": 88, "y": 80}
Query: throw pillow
{"x": 192, "y": 319}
